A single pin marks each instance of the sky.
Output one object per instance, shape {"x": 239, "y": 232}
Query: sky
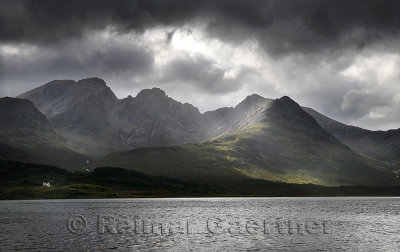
{"x": 339, "y": 57}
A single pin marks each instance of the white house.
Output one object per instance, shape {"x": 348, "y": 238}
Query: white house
{"x": 46, "y": 184}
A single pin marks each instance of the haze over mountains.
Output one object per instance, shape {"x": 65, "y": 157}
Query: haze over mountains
{"x": 27, "y": 135}
{"x": 89, "y": 114}
{"x": 262, "y": 138}
{"x": 382, "y": 145}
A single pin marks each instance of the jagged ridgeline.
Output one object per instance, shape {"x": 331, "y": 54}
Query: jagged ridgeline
{"x": 270, "y": 139}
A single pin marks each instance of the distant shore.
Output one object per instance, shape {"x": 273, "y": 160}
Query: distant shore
{"x": 19, "y": 180}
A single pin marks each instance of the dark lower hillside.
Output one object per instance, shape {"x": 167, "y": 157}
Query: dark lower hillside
{"x": 26, "y": 135}
{"x": 24, "y": 181}
{"x": 40, "y": 154}
{"x": 267, "y": 151}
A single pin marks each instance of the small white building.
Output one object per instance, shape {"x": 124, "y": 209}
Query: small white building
{"x": 46, "y": 184}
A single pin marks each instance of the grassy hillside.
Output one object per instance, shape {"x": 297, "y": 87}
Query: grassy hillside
{"x": 278, "y": 153}
{"x": 266, "y": 151}
{"x": 285, "y": 144}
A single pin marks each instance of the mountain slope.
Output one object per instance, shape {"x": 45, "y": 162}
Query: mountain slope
{"x": 154, "y": 119}
{"x": 260, "y": 138}
{"x": 227, "y": 120}
{"x": 26, "y": 135}
{"x": 283, "y": 143}
{"x": 88, "y": 114}
{"x": 382, "y": 145}
{"x": 81, "y": 111}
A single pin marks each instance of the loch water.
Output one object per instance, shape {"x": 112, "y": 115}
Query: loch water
{"x": 202, "y": 224}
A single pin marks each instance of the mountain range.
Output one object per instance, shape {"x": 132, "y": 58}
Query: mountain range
{"x": 65, "y": 122}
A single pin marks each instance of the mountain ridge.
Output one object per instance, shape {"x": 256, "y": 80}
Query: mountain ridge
{"x": 381, "y": 145}
{"x": 270, "y": 139}
{"x": 267, "y": 149}
{"x": 150, "y": 119}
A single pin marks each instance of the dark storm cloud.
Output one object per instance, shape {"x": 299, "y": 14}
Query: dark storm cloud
{"x": 358, "y": 102}
{"x": 304, "y": 47}
{"x": 88, "y": 57}
{"x": 309, "y": 25}
{"x": 49, "y": 21}
{"x": 170, "y": 35}
{"x": 111, "y": 59}
{"x": 280, "y": 26}
{"x": 119, "y": 60}
{"x": 204, "y": 74}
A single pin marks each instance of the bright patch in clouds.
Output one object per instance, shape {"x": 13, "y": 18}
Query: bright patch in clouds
{"x": 380, "y": 68}
{"x": 342, "y": 61}
{"x": 357, "y": 86}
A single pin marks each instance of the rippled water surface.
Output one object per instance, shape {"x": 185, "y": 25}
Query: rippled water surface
{"x": 207, "y": 224}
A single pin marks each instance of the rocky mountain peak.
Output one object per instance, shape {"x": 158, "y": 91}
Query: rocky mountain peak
{"x": 253, "y": 97}
{"x": 95, "y": 88}
{"x": 59, "y": 83}
{"x": 285, "y": 105}
{"x": 94, "y": 81}
{"x": 152, "y": 93}
{"x": 250, "y": 100}
{"x": 290, "y": 114}
{"x": 48, "y": 91}
{"x": 51, "y": 93}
